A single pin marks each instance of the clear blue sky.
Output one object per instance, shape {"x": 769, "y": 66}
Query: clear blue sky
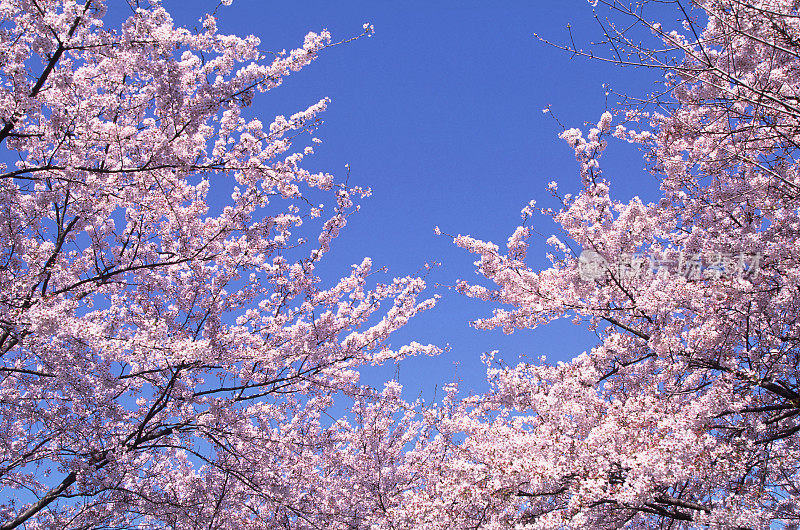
{"x": 440, "y": 113}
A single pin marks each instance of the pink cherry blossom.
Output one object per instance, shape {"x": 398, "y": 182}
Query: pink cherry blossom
{"x": 168, "y": 361}
{"x": 685, "y": 414}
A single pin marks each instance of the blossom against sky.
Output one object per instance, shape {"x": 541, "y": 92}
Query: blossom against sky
{"x": 440, "y": 113}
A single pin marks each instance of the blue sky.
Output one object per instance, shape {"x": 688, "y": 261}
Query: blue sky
{"x": 440, "y": 113}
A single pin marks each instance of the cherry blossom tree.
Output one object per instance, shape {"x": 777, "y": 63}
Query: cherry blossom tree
{"x": 169, "y": 355}
{"x": 686, "y": 413}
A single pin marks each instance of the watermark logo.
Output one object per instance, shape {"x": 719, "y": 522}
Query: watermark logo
{"x": 690, "y": 265}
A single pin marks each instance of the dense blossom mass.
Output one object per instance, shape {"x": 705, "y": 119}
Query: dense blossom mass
{"x": 166, "y": 359}
{"x": 686, "y": 414}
